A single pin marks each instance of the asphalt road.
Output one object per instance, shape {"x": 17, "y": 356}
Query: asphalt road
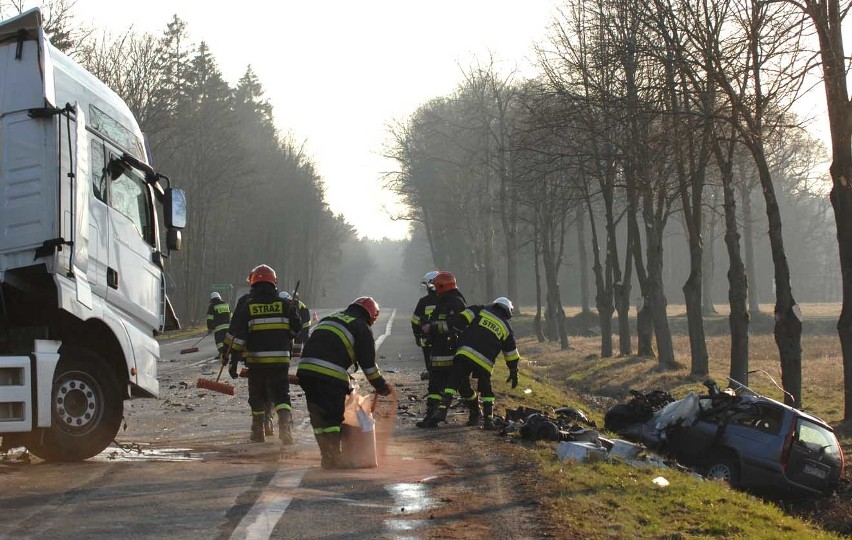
{"x": 187, "y": 470}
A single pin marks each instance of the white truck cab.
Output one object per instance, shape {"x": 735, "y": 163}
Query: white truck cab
{"x": 82, "y": 289}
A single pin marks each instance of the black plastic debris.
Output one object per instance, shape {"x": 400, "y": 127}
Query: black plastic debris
{"x": 639, "y": 409}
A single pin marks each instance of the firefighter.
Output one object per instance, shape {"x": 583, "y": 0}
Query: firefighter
{"x": 443, "y": 339}
{"x": 422, "y": 311}
{"x": 338, "y": 342}
{"x": 261, "y": 334}
{"x": 305, "y": 315}
{"x": 486, "y": 333}
{"x": 218, "y": 320}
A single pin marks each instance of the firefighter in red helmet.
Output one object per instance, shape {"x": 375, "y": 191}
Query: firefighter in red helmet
{"x": 261, "y": 334}
{"x": 444, "y": 340}
{"x": 338, "y": 342}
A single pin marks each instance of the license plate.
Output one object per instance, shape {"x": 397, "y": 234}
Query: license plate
{"x": 815, "y": 471}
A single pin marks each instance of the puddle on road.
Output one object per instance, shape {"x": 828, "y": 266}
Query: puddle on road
{"x": 408, "y": 498}
{"x": 142, "y": 454}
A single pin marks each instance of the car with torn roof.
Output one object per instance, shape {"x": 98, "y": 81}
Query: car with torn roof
{"x": 751, "y": 441}
{"x": 760, "y": 444}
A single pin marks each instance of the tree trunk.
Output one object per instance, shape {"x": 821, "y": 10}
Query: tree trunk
{"x": 708, "y": 264}
{"x": 512, "y": 251}
{"x": 657, "y": 296}
{"x": 601, "y": 294}
{"x": 584, "y": 261}
{"x": 841, "y": 201}
{"x": 828, "y": 21}
{"x": 539, "y": 331}
{"x": 622, "y": 302}
{"x": 644, "y": 321}
{"x": 751, "y": 269}
{"x": 737, "y": 280}
{"x": 788, "y": 325}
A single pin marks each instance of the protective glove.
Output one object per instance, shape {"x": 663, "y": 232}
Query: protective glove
{"x": 426, "y": 328}
{"x": 513, "y": 378}
{"x": 232, "y": 370}
{"x": 384, "y": 390}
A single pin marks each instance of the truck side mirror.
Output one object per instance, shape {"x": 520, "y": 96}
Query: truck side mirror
{"x": 173, "y": 239}
{"x": 174, "y": 209}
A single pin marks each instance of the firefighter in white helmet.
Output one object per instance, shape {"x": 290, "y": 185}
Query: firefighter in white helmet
{"x": 422, "y": 312}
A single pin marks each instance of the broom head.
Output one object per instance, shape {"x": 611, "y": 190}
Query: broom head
{"x": 216, "y": 386}
{"x": 189, "y": 350}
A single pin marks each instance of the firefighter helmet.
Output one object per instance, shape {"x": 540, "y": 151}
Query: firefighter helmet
{"x": 262, "y": 273}
{"x": 443, "y": 282}
{"x": 370, "y": 307}
{"x": 215, "y": 296}
{"x": 427, "y": 280}
{"x": 506, "y": 305}
{"x": 285, "y": 295}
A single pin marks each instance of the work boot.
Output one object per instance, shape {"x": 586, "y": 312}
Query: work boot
{"x": 268, "y": 424}
{"x": 488, "y": 415}
{"x": 440, "y": 414}
{"x": 257, "y": 434}
{"x": 475, "y": 413}
{"x": 329, "y": 445}
{"x": 431, "y": 407}
{"x": 285, "y": 423}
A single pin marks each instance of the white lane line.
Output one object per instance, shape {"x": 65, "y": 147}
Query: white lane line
{"x": 270, "y": 506}
{"x": 388, "y": 329}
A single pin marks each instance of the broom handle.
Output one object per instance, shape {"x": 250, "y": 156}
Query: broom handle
{"x": 220, "y": 373}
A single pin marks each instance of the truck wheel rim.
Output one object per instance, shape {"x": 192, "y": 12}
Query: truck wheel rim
{"x": 76, "y": 405}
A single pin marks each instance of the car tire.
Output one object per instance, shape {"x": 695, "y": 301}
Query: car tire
{"x": 86, "y": 408}
{"x": 724, "y": 468}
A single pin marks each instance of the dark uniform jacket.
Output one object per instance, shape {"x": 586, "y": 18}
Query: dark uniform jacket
{"x": 422, "y": 312}
{"x": 443, "y": 337}
{"x": 305, "y": 315}
{"x": 485, "y": 333}
{"x": 263, "y": 325}
{"x": 218, "y": 316}
{"x": 338, "y": 342}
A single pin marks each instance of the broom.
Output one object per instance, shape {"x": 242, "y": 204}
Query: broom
{"x": 216, "y": 386}
{"x": 194, "y": 348}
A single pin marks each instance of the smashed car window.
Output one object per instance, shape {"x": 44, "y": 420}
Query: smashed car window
{"x": 764, "y": 418}
{"x": 816, "y": 438}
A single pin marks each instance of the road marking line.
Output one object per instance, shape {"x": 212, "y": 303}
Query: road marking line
{"x": 388, "y": 329}
{"x": 269, "y": 507}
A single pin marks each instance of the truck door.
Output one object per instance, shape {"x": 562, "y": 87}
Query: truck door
{"x": 133, "y": 279}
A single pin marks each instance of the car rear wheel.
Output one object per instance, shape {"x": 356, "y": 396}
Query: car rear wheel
{"x": 725, "y": 469}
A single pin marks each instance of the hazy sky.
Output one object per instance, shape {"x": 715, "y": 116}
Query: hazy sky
{"x": 338, "y": 72}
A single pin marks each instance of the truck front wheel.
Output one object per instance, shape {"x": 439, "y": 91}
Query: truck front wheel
{"x": 86, "y": 408}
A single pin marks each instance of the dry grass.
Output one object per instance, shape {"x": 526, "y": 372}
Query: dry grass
{"x": 809, "y": 310}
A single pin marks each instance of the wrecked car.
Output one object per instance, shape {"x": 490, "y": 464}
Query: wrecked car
{"x": 752, "y": 442}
